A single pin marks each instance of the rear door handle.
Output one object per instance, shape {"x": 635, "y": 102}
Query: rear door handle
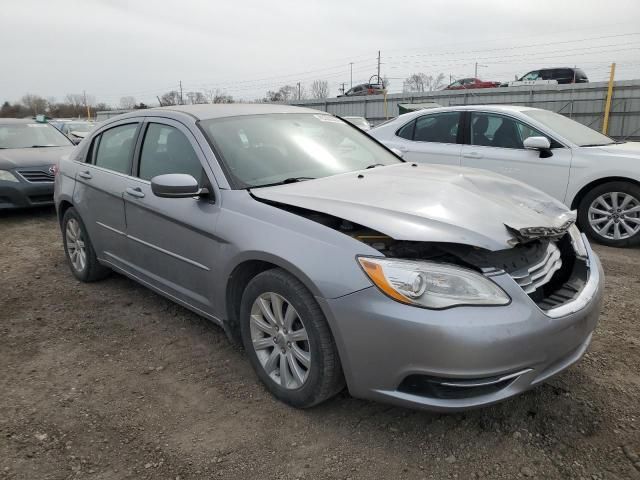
{"x": 472, "y": 155}
{"x": 85, "y": 174}
{"x": 135, "y": 192}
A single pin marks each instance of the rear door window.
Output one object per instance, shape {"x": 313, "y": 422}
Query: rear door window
{"x": 115, "y": 148}
{"x": 437, "y": 128}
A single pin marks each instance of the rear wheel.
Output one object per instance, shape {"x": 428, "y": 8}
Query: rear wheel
{"x": 288, "y": 341}
{"x": 610, "y": 214}
{"x": 79, "y": 250}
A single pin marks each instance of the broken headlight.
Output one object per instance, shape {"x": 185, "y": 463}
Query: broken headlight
{"x": 430, "y": 284}
{"x": 577, "y": 241}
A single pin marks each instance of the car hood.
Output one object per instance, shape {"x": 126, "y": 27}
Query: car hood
{"x": 32, "y": 157}
{"x": 626, "y": 149}
{"x": 434, "y": 203}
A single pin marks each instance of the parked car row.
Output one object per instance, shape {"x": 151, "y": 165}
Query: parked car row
{"x": 333, "y": 260}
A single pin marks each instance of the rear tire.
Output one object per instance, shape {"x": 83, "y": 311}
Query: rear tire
{"x": 288, "y": 341}
{"x": 79, "y": 250}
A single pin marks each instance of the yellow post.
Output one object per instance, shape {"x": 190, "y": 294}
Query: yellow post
{"x": 607, "y": 107}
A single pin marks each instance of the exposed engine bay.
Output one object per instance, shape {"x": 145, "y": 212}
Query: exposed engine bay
{"x": 547, "y": 268}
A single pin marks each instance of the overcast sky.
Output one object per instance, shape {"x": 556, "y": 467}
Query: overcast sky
{"x": 115, "y": 48}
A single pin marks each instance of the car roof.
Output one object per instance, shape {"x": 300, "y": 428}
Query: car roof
{"x": 495, "y": 108}
{"x": 220, "y": 110}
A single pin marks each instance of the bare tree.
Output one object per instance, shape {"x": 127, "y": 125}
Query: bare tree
{"x": 127, "y": 103}
{"x": 34, "y": 103}
{"x": 170, "y": 98}
{"x": 319, "y": 89}
{"x": 284, "y": 94}
{"x": 218, "y": 96}
{"x": 421, "y": 82}
{"x": 194, "y": 98}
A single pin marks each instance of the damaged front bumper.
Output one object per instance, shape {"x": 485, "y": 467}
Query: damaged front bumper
{"x": 463, "y": 357}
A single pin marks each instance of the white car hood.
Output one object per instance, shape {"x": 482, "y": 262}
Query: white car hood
{"x": 626, "y": 149}
{"x": 433, "y": 203}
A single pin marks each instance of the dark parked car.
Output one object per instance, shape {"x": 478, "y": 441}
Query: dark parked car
{"x": 563, "y": 76}
{"x": 29, "y": 153}
{"x": 365, "y": 89}
{"x": 471, "y": 83}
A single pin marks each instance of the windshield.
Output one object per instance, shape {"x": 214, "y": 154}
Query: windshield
{"x": 260, "y": 150}
{"x": 27, "y": 135}
{"x": 575, "y": 132}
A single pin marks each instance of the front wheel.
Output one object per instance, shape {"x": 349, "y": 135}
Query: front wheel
{"x": 610, "y": 214}
{"x": 288, "y": 341}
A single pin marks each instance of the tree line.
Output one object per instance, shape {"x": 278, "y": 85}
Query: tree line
{"x": 75, "y": 105}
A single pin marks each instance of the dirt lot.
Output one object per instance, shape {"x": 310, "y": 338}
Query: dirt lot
{"x": 109, "y": 380}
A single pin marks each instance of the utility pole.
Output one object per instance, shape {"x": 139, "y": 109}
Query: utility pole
{"x": 379, "y": 79}
{"x": 159, "y": 101}
{"x": 84, "y": 94}
{"x": 181, "y": 102}
{"x": 607, "y": 107}
{"x": 342, "y": 88}
{"x": 299, "y": 92}
{"x": 476, "y": 69}
{"x": 351, "y": 66}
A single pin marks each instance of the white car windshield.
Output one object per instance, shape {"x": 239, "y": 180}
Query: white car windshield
{"x": 575, "y": 132}
{"x": 260, "y": 150}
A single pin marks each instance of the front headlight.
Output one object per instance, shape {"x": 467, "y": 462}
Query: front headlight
{"x": 7, "y": 176}
{"x": 577, "y": 241}
{"x": 431, "y": 285}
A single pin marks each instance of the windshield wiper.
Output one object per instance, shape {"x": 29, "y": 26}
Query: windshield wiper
{"x": 42, "y": 146}
{"x": 284, "y": 182}
{"x": 374, "y": 165}
{"x": 597, "y": 144}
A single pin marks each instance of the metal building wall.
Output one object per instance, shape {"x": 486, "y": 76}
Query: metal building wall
{"x": 582, "y": 102}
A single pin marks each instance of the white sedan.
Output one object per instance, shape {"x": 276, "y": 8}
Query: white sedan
{"x": 584, "y": 169}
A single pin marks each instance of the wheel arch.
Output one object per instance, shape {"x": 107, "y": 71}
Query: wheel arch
{"x": 243, "y": 272}
{"x": 62, "y": 209}
{"x": 575, "y": 203}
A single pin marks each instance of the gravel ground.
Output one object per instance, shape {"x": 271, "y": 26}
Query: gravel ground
{"x": 109, "y": 380}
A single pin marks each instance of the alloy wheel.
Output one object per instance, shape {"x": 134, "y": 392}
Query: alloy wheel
{"x": 615, "y": 215}
{"x": 280, "y": 340}
{"x": 76, "y": 248}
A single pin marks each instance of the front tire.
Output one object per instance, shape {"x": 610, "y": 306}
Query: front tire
{"x": 79, "y": 250}
{"x": 610, "y": 214}
{"x": 288, "y": 341}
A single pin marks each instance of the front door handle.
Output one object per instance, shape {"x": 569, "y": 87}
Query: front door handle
{"x": 472, "y": 155}
{"x": 86, "y": 174}
{"x": 135, "y": 192}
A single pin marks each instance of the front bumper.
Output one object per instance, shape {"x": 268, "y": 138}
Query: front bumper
{"x": 386, "y": 346}
{"x": 23, "y": 194}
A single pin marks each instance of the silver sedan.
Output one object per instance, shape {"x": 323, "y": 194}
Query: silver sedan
{"x": 332, "y": 260}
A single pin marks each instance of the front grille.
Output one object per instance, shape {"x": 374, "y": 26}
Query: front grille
{"x": 36, "y": 175}
{"x": 535, "y": 276}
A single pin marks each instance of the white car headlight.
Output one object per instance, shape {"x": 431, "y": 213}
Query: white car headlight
{"x": 7, "y": 176}
{"x": 430, "y": 284}
{"x": 577, "y": 241}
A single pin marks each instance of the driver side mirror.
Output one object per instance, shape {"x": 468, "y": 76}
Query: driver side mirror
{"x": 539, "y": 143}
{"x": 176, "y": 185}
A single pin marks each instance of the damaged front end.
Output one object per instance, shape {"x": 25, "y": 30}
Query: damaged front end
{"x": 549, "y": 264}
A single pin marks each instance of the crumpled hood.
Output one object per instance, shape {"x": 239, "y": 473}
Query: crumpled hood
{"x": 32, "y": 157}
{"x": 434, "y": 203}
